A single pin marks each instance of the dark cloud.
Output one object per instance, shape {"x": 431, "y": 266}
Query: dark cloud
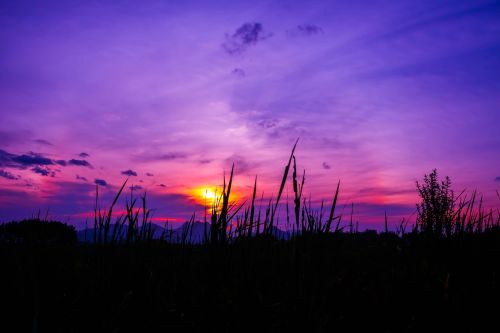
{"x": 6, "y": 159}
{"x": 8, "y": 175}
{"x": 23, "y": 161}
{"x": 32, "y": 159}
{"x": 129, "y": 173}
{"x": 81, "y": 178}
{"x": 79, "y": 163}
{"x": 497, "y": 179}
{"x": 43, "y": 142}
{"x": 149, "y": 174}
{"x": 100, "y": 182}
{"x": 238, "y": 72}
{"x": 36, "y": 161}
{"x": 246, "y": 35}
{"x": 326, "y": 166}
{"x": 135, "y": 188}
{"x": 44, "y": 171}
{"x": 309, "y": 29}
{"x": 162, "y": 185}
{"x": 83, "y": 155}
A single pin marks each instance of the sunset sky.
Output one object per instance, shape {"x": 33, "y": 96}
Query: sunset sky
{"x": 171, "y": 93}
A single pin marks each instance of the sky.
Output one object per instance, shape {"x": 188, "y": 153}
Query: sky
{"x": 170, "y": 93}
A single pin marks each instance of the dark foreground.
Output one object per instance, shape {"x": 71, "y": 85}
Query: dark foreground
{"x": 331, "y": 282}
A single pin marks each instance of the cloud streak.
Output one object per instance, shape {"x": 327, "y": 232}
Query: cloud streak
{"x": 8, "y": 175}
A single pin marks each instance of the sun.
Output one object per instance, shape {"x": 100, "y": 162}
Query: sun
{"x": 205, "y": 195}
{"x": 209, "y": 194}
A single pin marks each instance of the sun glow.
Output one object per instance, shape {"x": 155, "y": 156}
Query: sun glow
{"x": 205, "y": 195}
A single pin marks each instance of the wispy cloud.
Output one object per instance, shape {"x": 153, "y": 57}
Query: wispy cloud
{"x": 241, "y": 164}
{"x": 8, "y": 175}
{"x": 83, "y": 155}
{"x": 326, "y": 166}
{"x": 81, "y": 178}
{"x": 305, "y": 30}
{"x": 43, "y": 142}
{"x": 238, "y": 72}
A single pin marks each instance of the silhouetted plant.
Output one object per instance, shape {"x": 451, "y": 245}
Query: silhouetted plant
{"x": 435, "y": 212}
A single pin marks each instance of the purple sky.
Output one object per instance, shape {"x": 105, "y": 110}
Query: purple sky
{"x": 170, "y": 93}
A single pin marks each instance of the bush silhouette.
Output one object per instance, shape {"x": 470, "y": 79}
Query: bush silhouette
{"x": 36, "y": 231}
{"x": 436, "y": 209}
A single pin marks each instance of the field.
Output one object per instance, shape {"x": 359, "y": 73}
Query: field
{"x": 242, "y": 274}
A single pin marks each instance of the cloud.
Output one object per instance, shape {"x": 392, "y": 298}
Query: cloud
{"x": 129, "y": 173}
{"x": 154, "y": 157}
{"x": 135, "y": 188}
{"x": 8, "y": 175}
{"x": 172, "y": 156}
{"x": 83, "y": 155}
{"x": 149, "y": 174}
{"x": 497, "y": 179}
{"x": 238, "y": 72}
{"x": 241, "y": 164}
{"x": 101, "y": 182}
{"x": 307, "y": 30}
{"x": 326, "y": 166}
{"x": 43, "y": 171}
{"x": 79, "y": 163}
{"x": 43, "y": 142}
{"x": 32, "y": 159}
{"x": 6, "y": 158}
{"x": 81, "y": 178}
{"x": 246, "y": 35}
{"x": 162, "y": 185}
{"x": 205, "y": 161}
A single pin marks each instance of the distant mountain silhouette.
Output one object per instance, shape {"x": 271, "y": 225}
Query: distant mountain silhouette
{"x": 187, "y": 232}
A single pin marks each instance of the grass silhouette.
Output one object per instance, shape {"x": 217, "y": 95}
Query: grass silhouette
{"x": 443, "y": 274}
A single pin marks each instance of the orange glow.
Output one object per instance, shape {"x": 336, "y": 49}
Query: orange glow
{"x": 208, "y": 195}
{"x": 205, "y": 195}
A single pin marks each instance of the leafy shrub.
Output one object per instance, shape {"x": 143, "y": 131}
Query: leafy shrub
{"x": 435, "y": 212}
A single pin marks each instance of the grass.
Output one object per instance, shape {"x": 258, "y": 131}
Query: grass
{"x": 442, "y": 273}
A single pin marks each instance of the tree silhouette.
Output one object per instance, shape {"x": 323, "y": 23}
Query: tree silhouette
{"x": 36, "y": 231}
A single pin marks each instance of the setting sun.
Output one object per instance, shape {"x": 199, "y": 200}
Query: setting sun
{"x": 205, "y": 195}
